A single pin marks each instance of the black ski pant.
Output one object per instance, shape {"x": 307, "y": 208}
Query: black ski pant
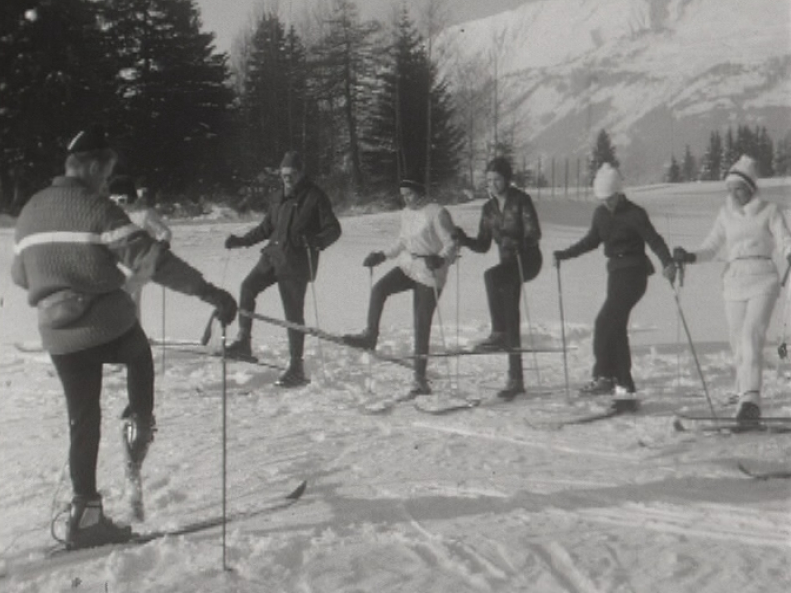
{"x": 423, "y": 304}
{"x": 292, "y": 294}
{"x": 81, "y": 375}
{"x": 503, "y": 289}
{"x": 625, "y": 288}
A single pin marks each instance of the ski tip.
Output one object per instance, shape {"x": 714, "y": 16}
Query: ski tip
{"x": 299, "y": 491}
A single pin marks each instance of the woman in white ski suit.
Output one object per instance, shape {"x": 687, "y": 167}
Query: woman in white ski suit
{"x": 750, "y": 229}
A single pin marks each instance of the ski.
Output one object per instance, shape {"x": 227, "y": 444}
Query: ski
{"x": 200, "y": 351}
{"x": 59, "y": 554}
{"x": 590, "y": 418}
{"x": 726, "y": 425}
{"x": 29, "y": 348}
{"x": 764, "y": 475}
{"x": 472, "y": 352}
{"x": 439, "y": 405}
{"x": 725, "y": 420}
{"x": 323, "y": 335}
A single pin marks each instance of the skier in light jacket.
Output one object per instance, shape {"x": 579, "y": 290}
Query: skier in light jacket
{"x": 749, "y": 230}
{"x": 424, "y": 251}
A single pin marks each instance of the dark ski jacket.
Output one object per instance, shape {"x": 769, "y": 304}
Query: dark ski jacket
{"x": 305, "y": 215}
{"x": 624, "y": 232}
{"x": 518, "y": 221}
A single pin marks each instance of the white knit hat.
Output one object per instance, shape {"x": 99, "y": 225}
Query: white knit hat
{"x": 745, "y": 170}
{"x": 608, "y": 181}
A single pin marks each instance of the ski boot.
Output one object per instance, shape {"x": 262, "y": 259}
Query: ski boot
{"x": 625, "y": 400}
{"x": 494, "y": 343}
{"x": 748, "y": 414}
{"x": 513, "y": 388}
{"x": 365, "y": 340}
{"x": 88, "y": 527}
{"x": 240, "y": 349}
{"x": 420, "y": 386}
{"x": 136, "y": 435}
{"x": 294, "y": 376}
{"x": 598, "y": 386}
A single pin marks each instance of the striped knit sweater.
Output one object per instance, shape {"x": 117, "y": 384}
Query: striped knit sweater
{"x": 68, "y": 238}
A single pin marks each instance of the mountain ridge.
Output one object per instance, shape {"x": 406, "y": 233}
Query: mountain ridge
{"x": 656, "y": 74}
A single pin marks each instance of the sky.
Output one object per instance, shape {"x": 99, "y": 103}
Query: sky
{"x": 226, "y": 18}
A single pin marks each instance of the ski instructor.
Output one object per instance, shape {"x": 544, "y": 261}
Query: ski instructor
{"x": 299, "y": 223}
{"x": 624, "y": 228}
{"x": 74, "y": 252}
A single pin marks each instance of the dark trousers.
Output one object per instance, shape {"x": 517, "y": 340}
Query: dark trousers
{"x": 503, "y": 289}
{"x": 423, "y": 305}
{"x": 625, "y": 288}
{"x": 292, "y": 294}
{"x": 81, "y": 376}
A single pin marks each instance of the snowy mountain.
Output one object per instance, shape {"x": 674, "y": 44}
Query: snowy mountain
{"x": 656, "y": 74}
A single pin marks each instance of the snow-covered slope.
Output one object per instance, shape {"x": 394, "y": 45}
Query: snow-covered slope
{"x": 657, "y": 74}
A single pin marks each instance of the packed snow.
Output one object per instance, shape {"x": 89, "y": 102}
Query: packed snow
{"x": 495, "y": 498}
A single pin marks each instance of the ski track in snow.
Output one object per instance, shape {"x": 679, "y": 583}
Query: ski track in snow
{"x": 495, "y": 498}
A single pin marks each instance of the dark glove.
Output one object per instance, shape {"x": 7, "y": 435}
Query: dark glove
{"x": 224, "y": 304}
{"x": 374, "y": 259}
{"x": 558, "y": 257}
{"x": 509, "y": 244}
{"x": 458, "y": 234}
{"x": 434, "y": 262}
{"x": 165, "y": 245}
{"x": 233, "y": 242}
{"x": 682, "y": 256}
{"x": 669, "y": 272}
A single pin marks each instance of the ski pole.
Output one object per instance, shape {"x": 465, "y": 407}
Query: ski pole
{"x": 164, "y": 292}
{"x": 207, "y": 330}
{"x": 527, "y": 314}
{"x": 316, "y": 310}
{"x": 224, "y": 449}
{"x": 694, "y": 353}
{"x": 785, "y": 276}
{"x": 458, "y": 315}
{"x": 439, "y": 319}
{"x": 563, "y": 334}
{"x": 370, "y": 358}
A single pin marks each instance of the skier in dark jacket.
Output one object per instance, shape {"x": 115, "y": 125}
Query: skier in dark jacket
{"x": 624, "y": 228}
{"x": 299, "y": 223}
{"x": 74, "y": 252}
{"x": 509, "y": 219}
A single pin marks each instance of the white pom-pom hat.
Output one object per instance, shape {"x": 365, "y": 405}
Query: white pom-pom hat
{"x": 608, "y": 181}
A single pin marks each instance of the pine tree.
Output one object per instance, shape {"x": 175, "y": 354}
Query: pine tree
{"x": 673, "y": 174}
{"x": 688, "y": 166}
{"x": 603, "y": 152}
{"x": 397, "y": 137}
{"x": 55, "y": 78}
{"x": 711, "y": 166}
{"x": 346, "y": 66}
{"x": 782, "y": 156}
{"x": 174, "y": 91}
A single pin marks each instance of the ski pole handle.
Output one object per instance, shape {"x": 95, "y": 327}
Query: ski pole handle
{"x": 207, "y": 331}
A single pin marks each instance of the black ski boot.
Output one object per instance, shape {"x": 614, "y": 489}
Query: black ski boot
{"x": 88, "y": 527}
{"x": 240, "y": 349}
{"x": 513, "y": 388}
{"x": 598, "y": 386}
{"x": 748, "y": 415}
{"x": 294, "y": 376}
{"x": 494, "y": 343}
{"x": 365, "y": 340}
{"x": 420, "y": 386}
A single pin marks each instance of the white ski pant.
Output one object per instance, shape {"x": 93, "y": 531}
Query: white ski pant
{"x": 748, "y": 321}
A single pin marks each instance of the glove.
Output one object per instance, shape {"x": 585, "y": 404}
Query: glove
{"x": 458, "y": 234}
{"x": 224, "y": 304}
{"x": 165, "y": 245}
{"x": 669, "y": 272}
{"x": 682, "y": 256}
{"x": 434, "y": 262}
{"x": 509, "y": 244}
{"x": 374, "y": 258}
{"x": 232, "y": 242}
{"x": 309, "y": 242}
{"x": 558, "y": 257}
